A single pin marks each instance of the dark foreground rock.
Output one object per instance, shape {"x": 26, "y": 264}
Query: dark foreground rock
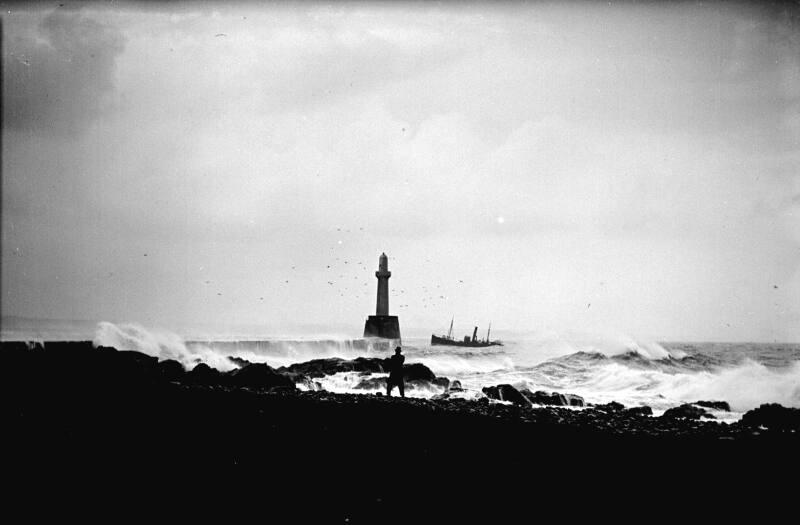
{"x": 773, "y": 417}
{"x": 525, "y": 397}
{"x": 553, "y": 398}
{"x": 260, "y": 375}
{"x": 78, "y": 420}
{"x": 686, "y": 411}
{"x": 415, "y": 375}
{"x": 716, "y": 405}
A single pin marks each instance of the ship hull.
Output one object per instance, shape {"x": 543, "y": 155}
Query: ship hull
{"x": 443, "y": 341}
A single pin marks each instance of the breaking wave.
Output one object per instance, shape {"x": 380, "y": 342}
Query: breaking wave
{"x": 601, "y": 370}
{"x": 161, "y": 344}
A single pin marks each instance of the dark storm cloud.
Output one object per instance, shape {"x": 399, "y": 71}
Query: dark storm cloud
{"x": 58, "y": 78}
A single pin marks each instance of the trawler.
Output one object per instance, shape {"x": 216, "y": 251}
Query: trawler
{"x": 473, "y": 342}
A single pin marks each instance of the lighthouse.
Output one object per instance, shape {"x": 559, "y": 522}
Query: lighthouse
{"x": 382, "y": 324}
{"x": 383, "y": 275}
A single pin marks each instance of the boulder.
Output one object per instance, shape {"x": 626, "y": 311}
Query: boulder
{"x": 335, "y": 365}
{"x": 716, "y": 405}
{"x": 455, "y": 386}
{"x": 418, "y": 372}
{"x": 639, "y": 411}
{"x": 774, "y": 417}
{"x": 202, "y": 374}
{"x": 543, "y": 398}
{"x": 171, "y": 370}
{"x": 686, "y": 411}
{"x": 610, "y": 407}
{"x": 259, "y": 375}
{"x": 238, "y": 361}
{"x": 379, "y": 383}
{"x": 506, "y": 392}
{"x": 371, "y": 383}
{"x": 441, "y": 382}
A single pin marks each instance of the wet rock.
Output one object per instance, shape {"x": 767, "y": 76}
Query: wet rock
{"x": 371, "y": 383}
{"x": 418, "y": 372}
{"x": 686, "y": 411}
{"x": 202, "y": 374}
{"x": 610, "y": 407}
{"x": 171, "y": 370}
{"x": 259, "y": 375}
{"x": 239, "y": 361}
{"x": 774, "y": 417}
{"x": 543, "y": 398}
{"x": 716, "y": 405}
{"x": 455, "y": 386}
{"x": 639, "y": 411}
{"x": 506, "y": 392}
{"x": 441, "y": 382}
{"x": 335, "y": 365}
{"x": 379, "y": 383}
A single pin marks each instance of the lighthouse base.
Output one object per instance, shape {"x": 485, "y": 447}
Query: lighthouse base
{"x": 385, "y": 326}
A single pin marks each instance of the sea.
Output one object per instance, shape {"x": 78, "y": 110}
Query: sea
{"x": 601, "y": 369}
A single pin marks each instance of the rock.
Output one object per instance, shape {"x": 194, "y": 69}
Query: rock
{"x": 441, "y": 382}
{"x": 455, "y": 386}
{"x": 686, "y": 411}
{"x": 335, "y": 365}
{"x": 639, "y": 411}
{"x": 259, "y": 375}
{"x": 171, "y": 370}
{"x": 506, "y": 392}
{"x": 372, "y": 383}
{"x": 774, "y": 417}
{"x": 367, "y": 365}
{"x": 307, "y": 382}
{"x": 610, "y": 407}
{"x": 202, "y": 374}
{"x": 379, "y": 383}
{"x": 418, "y": 372}
{"x": 543, "y": 398}
{"x": 238, "y": 361}
{"x": 716, "y": 405}
{"x": 285, "y": 389}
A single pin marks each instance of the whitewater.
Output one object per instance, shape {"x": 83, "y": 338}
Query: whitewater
{"x": 658, "y": 375}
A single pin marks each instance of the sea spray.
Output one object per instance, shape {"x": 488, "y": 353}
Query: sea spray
{"x": 745, "y": 387}
{"x": 598, "y": 368}
{"x": 157, "y": 343}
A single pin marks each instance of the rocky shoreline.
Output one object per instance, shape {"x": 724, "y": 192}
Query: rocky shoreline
{"x": 69, "y": 407}
{"x": 45, "y": 365}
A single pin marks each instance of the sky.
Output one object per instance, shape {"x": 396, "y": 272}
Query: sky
{"x": 625, "y": 168}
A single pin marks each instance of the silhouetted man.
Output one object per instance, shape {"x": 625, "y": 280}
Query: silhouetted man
{"x": 396, "y": 373}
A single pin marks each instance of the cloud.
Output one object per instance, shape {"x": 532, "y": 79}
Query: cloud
{"x": 60, "y": 75}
